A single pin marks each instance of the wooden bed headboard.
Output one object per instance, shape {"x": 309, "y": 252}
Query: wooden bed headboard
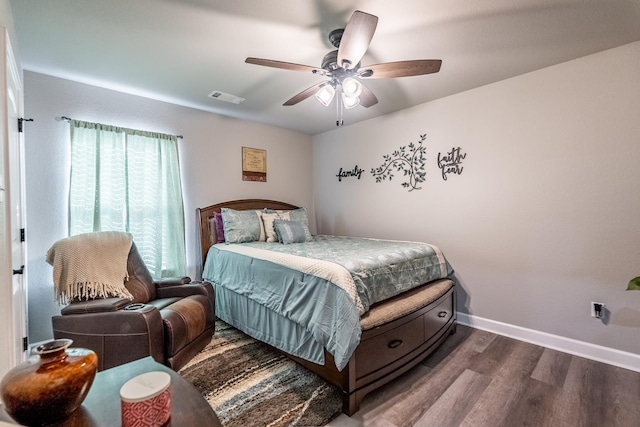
{"x": 206, "y": 233}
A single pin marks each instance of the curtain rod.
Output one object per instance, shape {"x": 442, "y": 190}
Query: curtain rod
{"x": 68, "y": 119}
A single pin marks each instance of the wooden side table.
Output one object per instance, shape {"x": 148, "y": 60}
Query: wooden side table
{"x": 101, "y": 408}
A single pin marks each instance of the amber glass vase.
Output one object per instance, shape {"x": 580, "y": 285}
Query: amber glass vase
{"x": 49, "y": 386}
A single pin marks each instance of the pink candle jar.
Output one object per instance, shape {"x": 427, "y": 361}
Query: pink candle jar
{"x": 146, "y": 400}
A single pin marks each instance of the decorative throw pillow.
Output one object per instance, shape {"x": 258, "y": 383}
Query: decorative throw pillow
{"x": 219, "y": 227}
{"x": 299, "y": 214}
{"x": 242, "y": 226}
{"x": 269, "y": 229}
{"x": 292, "y": 231}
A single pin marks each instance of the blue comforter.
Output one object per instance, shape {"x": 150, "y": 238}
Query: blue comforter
{"x": 322, "y": 286}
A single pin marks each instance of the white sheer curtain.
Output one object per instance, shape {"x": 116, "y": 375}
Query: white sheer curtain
{"x": 129, "y": 180}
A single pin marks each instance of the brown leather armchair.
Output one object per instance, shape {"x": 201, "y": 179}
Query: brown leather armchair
{"x": 170, "y": 320}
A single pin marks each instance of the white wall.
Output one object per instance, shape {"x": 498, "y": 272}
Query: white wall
{"x": 210, "y": 161}
{"x": 545, "y": 216}
{"x": 8, "y": 312}
{"x": 6, "y": 20}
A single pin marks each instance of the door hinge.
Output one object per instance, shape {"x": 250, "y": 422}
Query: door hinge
{"x": 22, "y": 235}
{"x": 20, "y": 120}
{"x": 25, "y": 343}
{"x": 19, "y": 271}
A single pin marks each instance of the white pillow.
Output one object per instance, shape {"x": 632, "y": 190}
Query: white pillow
{"x": 269, "y": 229}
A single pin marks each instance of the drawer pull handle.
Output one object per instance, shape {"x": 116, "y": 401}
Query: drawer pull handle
{"x": 395, "y": 343}
{"x": 442, "y": 314}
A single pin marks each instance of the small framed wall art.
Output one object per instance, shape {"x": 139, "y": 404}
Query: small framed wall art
{"x": 254, "y": 164}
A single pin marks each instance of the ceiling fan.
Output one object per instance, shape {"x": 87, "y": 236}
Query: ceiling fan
{"x": 343, "y": 69}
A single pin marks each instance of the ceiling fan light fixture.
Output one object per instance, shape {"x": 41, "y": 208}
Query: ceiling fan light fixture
{"x": 326, "y": 94}
{"x": 350, "y": 101}
{"x": 343, "y": 71}
{"x": 351, "y": 87}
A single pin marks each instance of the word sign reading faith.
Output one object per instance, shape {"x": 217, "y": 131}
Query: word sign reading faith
{"x": 451, "y": 162}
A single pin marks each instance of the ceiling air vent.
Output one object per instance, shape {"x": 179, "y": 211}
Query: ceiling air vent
{"x": 226, "y": 97}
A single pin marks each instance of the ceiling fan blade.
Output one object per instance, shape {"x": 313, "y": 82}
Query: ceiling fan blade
{"x": 356, "y": 38}
{"x": 400, "y": 69}
{"x": 283, "y": 65}
{"x": 367, "y": 98}
{"x": 305, "y": 94}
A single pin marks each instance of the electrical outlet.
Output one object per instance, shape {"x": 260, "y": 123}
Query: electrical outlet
{"x": 597, "y": 310}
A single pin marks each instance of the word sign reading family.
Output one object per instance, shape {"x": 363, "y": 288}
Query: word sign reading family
{"x": 451, "y": 162}
{"x": 355, "y": 172}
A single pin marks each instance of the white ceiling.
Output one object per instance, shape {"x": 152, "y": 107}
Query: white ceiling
{"x": 181, "y": 50}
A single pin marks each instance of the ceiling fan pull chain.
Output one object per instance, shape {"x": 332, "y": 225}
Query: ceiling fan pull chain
{"x": 338, "y": 110}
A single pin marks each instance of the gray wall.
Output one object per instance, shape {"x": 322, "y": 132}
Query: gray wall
{"x": 542, "y": 221}
{"x": 210, "y": 161}
{"x": 545, "y": 216}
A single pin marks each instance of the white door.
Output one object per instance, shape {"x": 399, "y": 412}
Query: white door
{"x": 13, "y": 280}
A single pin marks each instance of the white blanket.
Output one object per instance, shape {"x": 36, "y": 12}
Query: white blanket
{"x": 90, "y": 265}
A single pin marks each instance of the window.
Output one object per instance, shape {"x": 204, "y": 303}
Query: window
{"x": 129, "y": 180}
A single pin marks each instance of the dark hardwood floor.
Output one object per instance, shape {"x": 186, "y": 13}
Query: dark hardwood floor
{"x": 480, "y": 379}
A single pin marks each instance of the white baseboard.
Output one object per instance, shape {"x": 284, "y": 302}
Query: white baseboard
{"x": 587, "y": 350}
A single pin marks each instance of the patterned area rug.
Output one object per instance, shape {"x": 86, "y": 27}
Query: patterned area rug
{"x": 248, "y": 383}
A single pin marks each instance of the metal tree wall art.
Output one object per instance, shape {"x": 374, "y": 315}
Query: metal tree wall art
{"x": 409, "y": 160}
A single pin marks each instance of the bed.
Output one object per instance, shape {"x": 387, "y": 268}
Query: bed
{"x": 325, "y": 313}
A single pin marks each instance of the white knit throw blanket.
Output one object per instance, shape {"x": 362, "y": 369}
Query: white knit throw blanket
{"x": 90, "y": 265}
